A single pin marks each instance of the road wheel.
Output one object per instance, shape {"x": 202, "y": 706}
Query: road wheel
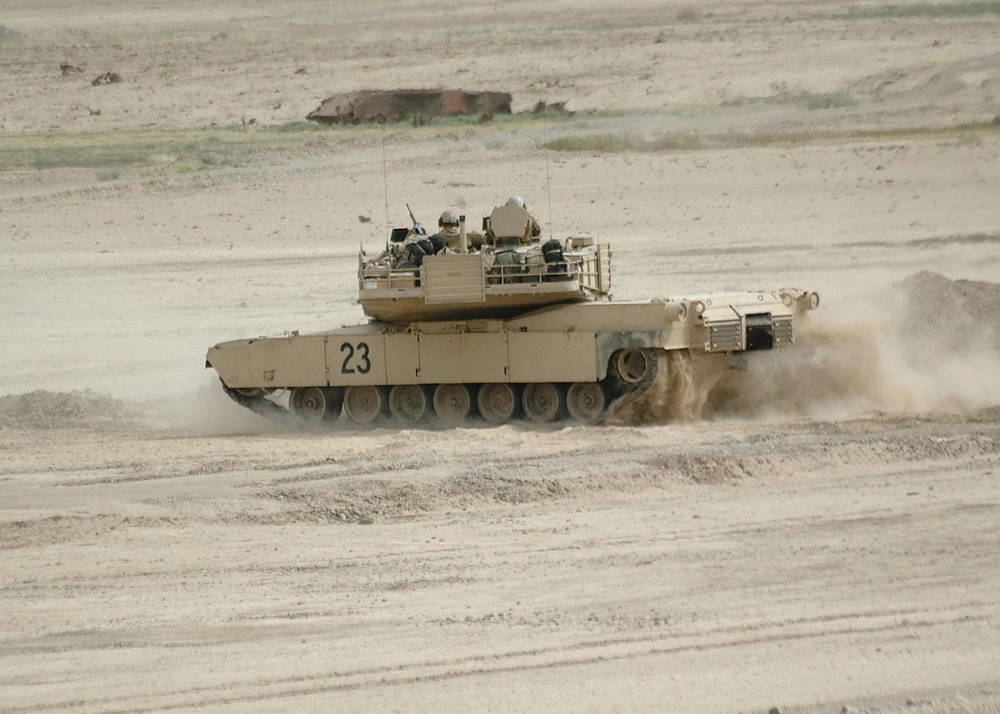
{"x": 408, "y": 403}
{"x": 497, "y": 402}
{"x": 543, "y": 402}
{"x": 364, "y": 404}
{"x": 632, "y": 365}
{"x": 314, "y": 404}
{"x": 452, "y": 403}
{"x": 586, "y": 402}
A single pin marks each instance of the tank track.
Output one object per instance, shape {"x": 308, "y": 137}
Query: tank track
{"x": 642, "y": 385}
{"x": 259, "y": 404}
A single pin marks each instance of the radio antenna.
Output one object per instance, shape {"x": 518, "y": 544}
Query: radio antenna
{"x": 385, "y": 185}
{"x": 548, "y": 190}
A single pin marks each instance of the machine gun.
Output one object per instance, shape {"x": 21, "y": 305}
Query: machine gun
{"x": 399, "y": 235}
{"x": 418, "y": 228}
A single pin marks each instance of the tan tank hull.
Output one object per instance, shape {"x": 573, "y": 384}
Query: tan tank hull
{"x": 561, "y": 359}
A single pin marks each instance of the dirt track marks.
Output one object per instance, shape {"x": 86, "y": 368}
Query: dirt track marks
{"x": 409, "y": 485}
{"x": 886, "y": 623}
{"x": 823, "y": 533}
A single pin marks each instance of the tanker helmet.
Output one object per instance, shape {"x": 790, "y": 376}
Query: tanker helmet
{"x": 516, "y": 201}
{"x": 448, "y": 218}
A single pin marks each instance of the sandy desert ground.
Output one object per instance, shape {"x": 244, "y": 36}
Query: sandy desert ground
{"x": 825, "y": 538}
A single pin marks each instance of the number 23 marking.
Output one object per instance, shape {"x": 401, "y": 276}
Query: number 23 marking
{"x": 362, "y": 365}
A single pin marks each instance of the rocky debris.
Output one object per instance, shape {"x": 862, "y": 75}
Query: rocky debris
{"x": 68, "y": 69}
{"x": 551, "y": 108}
{"x": 106, "y": 78}
{"x": 395, "y": 105}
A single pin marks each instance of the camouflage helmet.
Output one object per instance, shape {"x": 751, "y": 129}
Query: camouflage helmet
{"x": 448, "y": 218}
{"x": 516, "y": 201}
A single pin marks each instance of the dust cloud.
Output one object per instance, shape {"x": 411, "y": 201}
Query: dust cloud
{"x": 676, "y": 393}
{"x": 925, "y": 344}
{"x": 205, "y": 410}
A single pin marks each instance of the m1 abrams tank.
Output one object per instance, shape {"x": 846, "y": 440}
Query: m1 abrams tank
{"x": 496, "y": 326}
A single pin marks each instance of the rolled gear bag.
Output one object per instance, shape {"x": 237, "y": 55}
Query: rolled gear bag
{"x": 555, "y": 261}
{"x": 418, "y": 249}
{"x": 507, "y": 267}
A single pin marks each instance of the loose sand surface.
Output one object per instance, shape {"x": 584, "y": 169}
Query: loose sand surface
{"x": 825, "y": 537}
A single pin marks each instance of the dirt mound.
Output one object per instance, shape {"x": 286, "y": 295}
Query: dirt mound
{"x": 66, "y": 529}
{"x": 59, "y": 410}
{"x": 924, "y": 82}
{"x": 955, "y": 312}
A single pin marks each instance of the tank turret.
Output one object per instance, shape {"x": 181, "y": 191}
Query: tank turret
{"x": 503, "y": 271}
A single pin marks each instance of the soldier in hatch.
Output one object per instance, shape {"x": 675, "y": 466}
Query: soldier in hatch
{"x": 450, "y": 234}
{"x": 448, "y": 230}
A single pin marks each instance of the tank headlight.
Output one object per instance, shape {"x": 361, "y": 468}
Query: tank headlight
{"x": 698, "y": 306}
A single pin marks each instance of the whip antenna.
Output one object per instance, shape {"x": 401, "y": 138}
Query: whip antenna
{"x": 385, "y": 185}
{"x": 548, "y": 190}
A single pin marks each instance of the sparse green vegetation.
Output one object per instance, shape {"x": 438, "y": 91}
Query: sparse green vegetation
{"x": 186, "y": 150}
{"x": 830, "y": 101}
{"x": 606, "y": 143}
{"x": 836, "y": 100}
{"x": 183, "y": 149}
{"x": 366, "y": 521}
{"x": 689, "y": 14}
{"x": 958, "y": 9}
{"x": 612, "y": 143}
{"x": 299, "y": 125}
{"x": 107, "y": 174}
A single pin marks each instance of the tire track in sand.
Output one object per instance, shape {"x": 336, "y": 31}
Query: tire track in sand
{"x": 587, "y": 652}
